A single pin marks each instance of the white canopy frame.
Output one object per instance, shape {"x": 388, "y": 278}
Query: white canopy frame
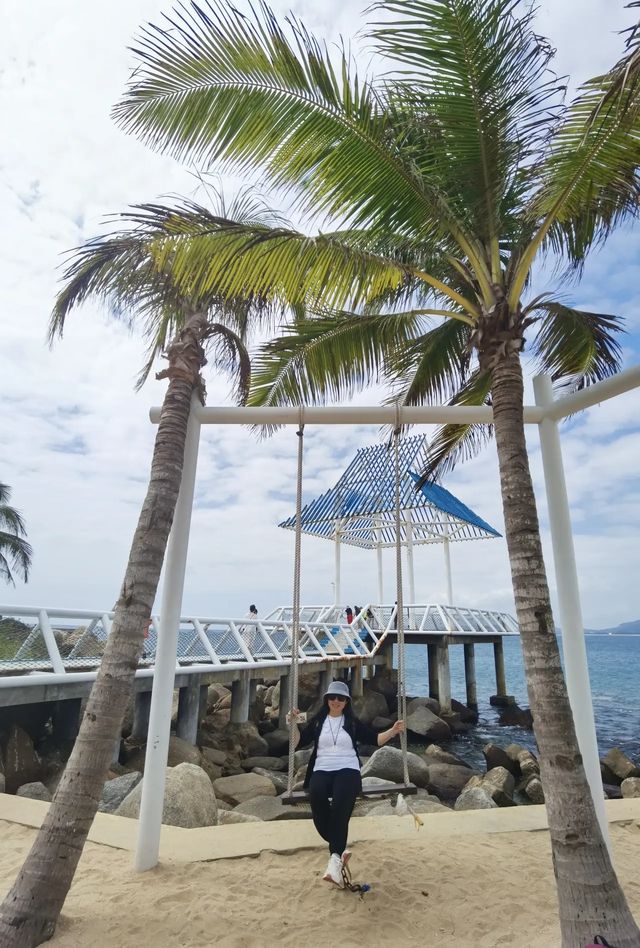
{"x": 546, "y": 414}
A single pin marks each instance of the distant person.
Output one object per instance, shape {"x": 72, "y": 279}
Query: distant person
{"x": 356, "y": 611}
{"x": 249, "y": 633}
{"x": 349, "y": 614}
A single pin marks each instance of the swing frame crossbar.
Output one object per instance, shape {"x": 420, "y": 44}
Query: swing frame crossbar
{"x": 407, "y": 789}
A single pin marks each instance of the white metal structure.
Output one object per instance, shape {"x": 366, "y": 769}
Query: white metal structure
{"x": 550, "y": 411}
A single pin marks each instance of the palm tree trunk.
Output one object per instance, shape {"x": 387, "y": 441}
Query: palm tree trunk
{"x": 30, "y": 911}
{"x": 590, "y": 898}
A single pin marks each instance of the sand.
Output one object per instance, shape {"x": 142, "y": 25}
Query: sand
{"x": 467, "y": 891}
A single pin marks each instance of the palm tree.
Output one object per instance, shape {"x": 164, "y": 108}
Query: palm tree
{"x": 120, "y": 270}
{"x": 443, "y": 182}
{"x": 15, "y": 552}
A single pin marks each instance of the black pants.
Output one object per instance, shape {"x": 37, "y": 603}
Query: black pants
{"x": 331, "y": 817}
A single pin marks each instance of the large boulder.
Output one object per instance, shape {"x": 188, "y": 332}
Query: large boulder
{"x": 247, "y": 738}
{"x": 34, "y": 791}
{"x": 630, "y": 787}
{"x": 189, "y": 799}
{"x": 277, "y": 742}
{"x": 475, "y": 798}
{"x": 500, "y": 784}
{"x": 386, "y": 683}
{"x": 386, "y": 808}
{"x": 21, "y": 763}
{"x": 279, "y": 780}
{"x": 448, "y": 780}
{"x": 226, "y": 817}
{"x": 266, "y": 763}
{"x": 214, "y": 755}
{"x": 528, "y": 764}
{"x": 467, "y": 715}
{"x": 620, "y": 765}
{"x": 513, "y": 716}
{"x": 271, "y": 808}
{"x": 436, "y": 755}
{"x": 426, "y": 724}
{"x": 496, "y": 756}
{"x": 533, "y": 789}
{"x": 243, "y": 787}
{"x": 387, "y": 763}
{"x": 115, "y": 791}
{"x": 423, "y": 702}
{"x": 182, "y": 752}
{"x": 370, "y": 706}
{"x": 217, "y": 696}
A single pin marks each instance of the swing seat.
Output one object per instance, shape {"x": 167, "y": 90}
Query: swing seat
{"x": 407, "y": 789}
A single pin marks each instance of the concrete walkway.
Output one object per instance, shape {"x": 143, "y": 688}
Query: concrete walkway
{"x": 206, "y": 844}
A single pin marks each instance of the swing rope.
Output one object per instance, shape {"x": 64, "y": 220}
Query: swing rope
{"x": 295, "y": 623}
{"x": 402, "y": 691}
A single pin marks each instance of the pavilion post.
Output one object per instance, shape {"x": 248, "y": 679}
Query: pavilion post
{"x": 410, "y": 572}
{"x": 573, "y": 643}
{"x": 379, "y": 556}
{"x": 152, "y": 802}
{"x": 337, "y": 566}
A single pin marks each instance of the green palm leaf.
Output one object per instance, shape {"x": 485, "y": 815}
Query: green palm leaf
{"x": 430, "y": 368}
{"x": 15, "y": 552}
{"x": 478, "y": 73}
{"x": 577, "y": 346}
{"x": 329, "y": 357}
{"x": 221, "y": 86}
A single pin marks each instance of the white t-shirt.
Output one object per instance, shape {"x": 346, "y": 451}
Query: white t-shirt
{"x": 335, "y": 747}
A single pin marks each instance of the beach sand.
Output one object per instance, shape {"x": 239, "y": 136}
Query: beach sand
{"x": 466, "y": 891}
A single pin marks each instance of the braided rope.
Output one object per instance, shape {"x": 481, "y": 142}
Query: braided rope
{"x": 402, "y": 691}
{"x": 295, "y": 623}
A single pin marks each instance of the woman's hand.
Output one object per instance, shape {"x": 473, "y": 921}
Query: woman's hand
{"x": 292, "y": 716}
{"x": 397, "y": 728}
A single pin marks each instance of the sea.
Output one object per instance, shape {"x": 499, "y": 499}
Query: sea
{"x": 614, "y": 671}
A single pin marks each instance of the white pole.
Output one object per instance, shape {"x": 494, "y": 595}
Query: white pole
{"x": 155, "y": 766}
{"x": 573, "y": 644}
{"x": 410, "y": 570}
{"x": 380, "y": 574}
{"x": 446, "y": 543}
{"x": 337, "y": 564}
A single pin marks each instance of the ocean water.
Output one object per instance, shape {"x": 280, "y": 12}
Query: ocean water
{"x": 614, "y": 667}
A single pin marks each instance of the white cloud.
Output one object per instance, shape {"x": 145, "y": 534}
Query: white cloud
{"x": 64, "y": 166}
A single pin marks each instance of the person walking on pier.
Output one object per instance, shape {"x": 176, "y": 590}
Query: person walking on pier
{"x": 249, "y": 632}
{"x": 333, "y": 774}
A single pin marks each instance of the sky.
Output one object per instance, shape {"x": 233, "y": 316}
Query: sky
{"x": 76, "y": 440}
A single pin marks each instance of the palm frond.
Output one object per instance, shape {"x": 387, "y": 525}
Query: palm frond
{"x": 217, "y": 85}
{"x": 15, "y": 552}
{"x": 230, "y": 355}
{"x": 329, "y": 357}
{"x": 577, "y": 346}
{"x": 455, "y": 443}
{"x": 431, "y": 367}
{"x": 625, "y": 75}
{"x": 475, "y": 78}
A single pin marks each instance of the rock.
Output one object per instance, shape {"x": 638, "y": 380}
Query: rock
{"x": 189, "y": 799}
{"x": 619, "y": 764}
{"x": 182, "y": 752}
{"x": 217, "y": 757}
{"x": 216, "y": 693}
{"x": 371, "y": 782}
{"x": 496, "y": 756}
{"x": 528, "y": 764}
{"x": 34, "y": 791}
{"x": 266, "y": 763}
{"x": 277, "y": 742}
{"x": 435, "y": 754}
{"x": 300, "y": 758}
{"x": 608, "y": 776}
{"x": 455, "y": 723}
{"x": 467, "y": 715}
{"x": 424, "y": 722}
{"x": 447, "y": 780}
{"x": 271, "y": 808}
{"x": 387, "y": 763}
{"x": 21, "y": 763}
{"x": 500, "y": 784}
{"x": 381, "y": 724}
{"x": 370, "y": 706}
{"x": 414, "y": 703}
{"x": 279, "y": 780}
{"x": 226, "y": 817}
{"x": 630, "y": 787}
{"x": 513, "y": 716}
{"x": 386, "y": 684}
{"x": 475, "y": 798}
{"x": 613, "y": 791}
{"x": 115, "y": 791}
{"x": 533, "y": 789}
{"x": 243, "y": 787}
{"x": 247, "y": 737}
{"x": 213, "y": 771}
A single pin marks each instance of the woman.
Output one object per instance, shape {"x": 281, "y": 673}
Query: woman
{"x": 333, "y": 775}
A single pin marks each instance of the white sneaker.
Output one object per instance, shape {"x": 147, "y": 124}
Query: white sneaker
{"x": 333, "y": 872}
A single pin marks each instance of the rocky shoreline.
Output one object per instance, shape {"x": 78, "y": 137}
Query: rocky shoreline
{"x": 237, "y": 773}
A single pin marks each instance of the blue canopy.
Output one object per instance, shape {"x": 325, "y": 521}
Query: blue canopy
{"x": 360, "y": 509}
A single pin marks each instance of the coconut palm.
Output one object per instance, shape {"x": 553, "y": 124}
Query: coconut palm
{"x": 439, "y": 186}
{"x": 15, "y": 552}
{"x": 120, "y": 270}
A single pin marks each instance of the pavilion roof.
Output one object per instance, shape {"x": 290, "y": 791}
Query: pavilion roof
{"x": 361, "y": 506}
